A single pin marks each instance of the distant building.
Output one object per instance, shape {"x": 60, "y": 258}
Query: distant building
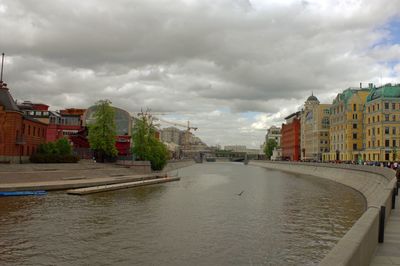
{"x": 382, "y": 124}
{"x": 290, "y": 142}
{"x": 314, "y": 129}
{"x": 274, "y": 133}
{"x": 346, "y": 125}
{"x": 235, "y": 148}
{"x": 171, "y": 135}
{"x": 20, "y": 135}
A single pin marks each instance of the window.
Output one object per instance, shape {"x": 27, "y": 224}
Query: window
{"x": 354, "y": 107}
{"x": 34, "y": 131}
{"x": 386, "y": 117}
{"x": 369, "y": 132}
{"x": 29, "y": 129}
{"x": 373, "y": 108}
{"x": 354, "y": 135}
{"x": 387, "y": 144}
{"x": 369, "y": 144}
{"x": 373, "y": 131}
{"x": 379, "y": 130}
{"x": 378, "y": 118}
{"x": 355, "y": 126}
{"x": 325, "y": 122}
{"x": 393, "y": 106}
{"x": 393, "y": 118}
{"x": 326, "y": 111}
{"x": 393, "y": 130}
{"x": 379, "y": 143}
{"x": 369, "y": 120}
{"x": 369, "y": 110}
{"x": 386, "y": 105}
{"x": 386, "y": 130}
{"x": 394, "y": 143}
{"x": 354, "y": 146}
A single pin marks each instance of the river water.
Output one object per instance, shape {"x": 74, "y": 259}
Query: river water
{"x": 279, "y": 219}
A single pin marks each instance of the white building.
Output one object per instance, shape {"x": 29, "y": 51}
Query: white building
{"x": 274, "y": 133}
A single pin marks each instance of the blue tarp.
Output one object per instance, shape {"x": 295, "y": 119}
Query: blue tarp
{"x": 22, "y": 193}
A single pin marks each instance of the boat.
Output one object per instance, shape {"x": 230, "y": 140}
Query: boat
{"x": 22, "y": 193}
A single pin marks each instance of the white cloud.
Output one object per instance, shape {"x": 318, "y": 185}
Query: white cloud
{"x": 197, "y": 56}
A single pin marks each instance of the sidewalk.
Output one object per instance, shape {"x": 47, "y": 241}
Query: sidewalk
{"x": 64, "y": 176}
{"x": 388, "y": 253}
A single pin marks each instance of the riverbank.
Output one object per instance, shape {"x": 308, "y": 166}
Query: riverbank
{"x": 67, "y": 176}
{"x": 374, "y": 183}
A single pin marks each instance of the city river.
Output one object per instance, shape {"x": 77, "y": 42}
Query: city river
{"x": 278, "y": 219}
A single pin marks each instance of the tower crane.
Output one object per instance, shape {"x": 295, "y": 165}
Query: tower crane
{"x": 188, "y": 127}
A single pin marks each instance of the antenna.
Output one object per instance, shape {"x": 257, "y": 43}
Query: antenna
{"x": 2, "y": 65}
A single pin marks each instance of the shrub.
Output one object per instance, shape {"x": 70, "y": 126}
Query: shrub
{"x": 48, "y": 158}
{"x": 54, "y": 152}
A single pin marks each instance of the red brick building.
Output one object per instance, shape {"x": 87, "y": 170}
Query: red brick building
{"x": 64, "y": 123}
{"x": 20, "y": 135}
{"x": 290, "y": 140}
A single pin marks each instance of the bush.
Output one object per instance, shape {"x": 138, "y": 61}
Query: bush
{"x": 54, "y": 152}
{"x": 53, "y": 158}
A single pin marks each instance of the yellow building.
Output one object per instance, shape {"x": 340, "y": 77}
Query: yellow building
{"x": 382, "y": 124}
{"x": 314, "y": 129}
{"x": 346, "y": 125}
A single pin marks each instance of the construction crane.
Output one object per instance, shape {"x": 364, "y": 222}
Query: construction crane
{"x": 188, "y": 127}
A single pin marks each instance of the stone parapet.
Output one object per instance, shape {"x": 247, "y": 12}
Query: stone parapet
{"x": 374, "y": 183}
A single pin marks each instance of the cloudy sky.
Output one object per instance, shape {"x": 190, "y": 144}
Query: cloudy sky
{"x": 231, "y": 67}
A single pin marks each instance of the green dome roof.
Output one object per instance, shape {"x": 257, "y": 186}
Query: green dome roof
{"x": 386, "y": 91}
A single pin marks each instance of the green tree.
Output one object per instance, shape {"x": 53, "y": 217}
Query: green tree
{"x": 102, "y": 131}
{"x": 145, "y": 144}
{"x": 63, "y": 147}
{"x": 269, "y": 147}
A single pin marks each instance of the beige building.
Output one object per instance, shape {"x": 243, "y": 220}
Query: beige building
{"x": 346, "y": 125}
{"x": 171, "y": 135}
{"x": 314, "y": 138}
{"x": 382, "y": 124}
{"x": 274, "y": 132}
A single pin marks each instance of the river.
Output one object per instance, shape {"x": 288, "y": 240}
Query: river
{"x": 278, "y": 219}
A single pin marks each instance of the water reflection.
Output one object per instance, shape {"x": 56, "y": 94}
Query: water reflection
{"x": 280, "y": 219}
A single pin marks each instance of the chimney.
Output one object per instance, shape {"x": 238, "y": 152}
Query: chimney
{"x": 360, "y": 85}
{"x": 370, "y": 85}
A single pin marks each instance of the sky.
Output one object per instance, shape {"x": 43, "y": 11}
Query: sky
{"x": 233, "y": 68}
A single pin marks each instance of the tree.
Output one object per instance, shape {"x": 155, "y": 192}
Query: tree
{"x": 102, "y": 131}
{"x": 269, "y": 147}
{"x": 145, "y": 144}
{"x": 63, "y": 147}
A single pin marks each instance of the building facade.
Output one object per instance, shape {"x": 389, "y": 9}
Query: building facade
{"x": 20, "y": 135}
{"x": 346, "y": 125}
{"x": 290, "y": 142}
{"x": 382, "y": 124}
{"x": 274, "y": 133}
{"x": 314, "y": 129}
{"x": 172, "y": 135}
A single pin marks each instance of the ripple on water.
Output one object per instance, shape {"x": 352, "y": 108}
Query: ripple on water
{"x": 280, "y": 219}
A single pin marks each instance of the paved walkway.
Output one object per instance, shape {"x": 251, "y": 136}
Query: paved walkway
{"x": 64, "y": 176}
{"x": 388, "y": 253}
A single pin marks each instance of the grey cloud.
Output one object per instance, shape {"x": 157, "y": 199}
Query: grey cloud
{"x": 197, "y": 56}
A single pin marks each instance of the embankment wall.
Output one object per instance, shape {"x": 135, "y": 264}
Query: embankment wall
{"x": 376, "y": 184}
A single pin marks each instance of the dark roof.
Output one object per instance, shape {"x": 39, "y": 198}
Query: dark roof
{"x": 33, "y": 120}
{"x": 294, "y": 114}
{"x": 312, "y": 98}
{"x": 6, "y": 99}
